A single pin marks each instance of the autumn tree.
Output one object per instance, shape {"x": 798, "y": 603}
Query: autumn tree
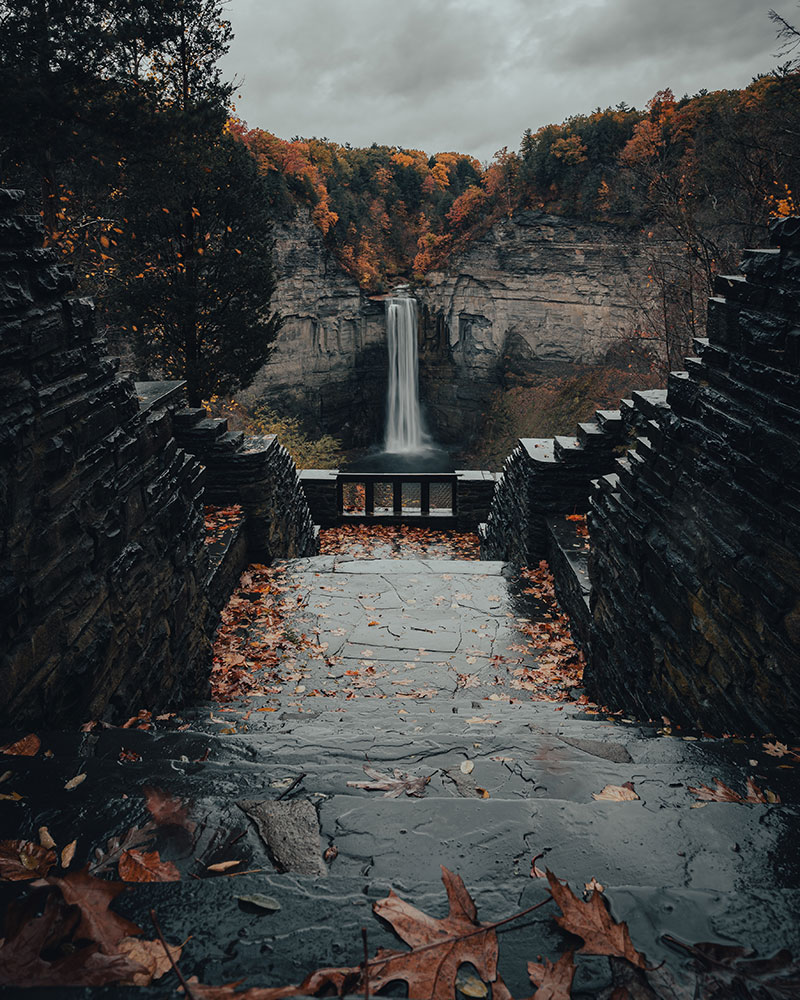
{"x": 146, "y": 191}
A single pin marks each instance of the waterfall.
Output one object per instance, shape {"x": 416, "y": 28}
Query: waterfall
{"x": 404, "y": 431}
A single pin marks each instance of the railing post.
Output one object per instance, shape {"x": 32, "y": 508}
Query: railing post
{"x": 397, "y": 493}
{"x": 339, "y": 497}
{"x": 425, "y": 497}
{"x": 369, "y": 497}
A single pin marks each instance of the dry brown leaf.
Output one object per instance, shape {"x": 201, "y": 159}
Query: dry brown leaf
{"x": 722, "y": 793}
{"x": 21, "y": 860}
{"x": 167, "y": 811}
{"x": 74, "y": 782}
{"x": 616, "y": 793}
{"x": 601, "y": 934}
{"x": 44, "y": 837}
{"x": 68, "y": 854}
{"x": 93, "y": 896}
{"x": 30, "y": 934}
{"x": 392, "y": 786}
{"x": 146, "y": 866}
{"x": 594, "y": 886}
{"x": 151, "y": 956}
{"x": 554, "y": 981}
{"x": 223, "y": 866}
{"x": 28, "y": 746}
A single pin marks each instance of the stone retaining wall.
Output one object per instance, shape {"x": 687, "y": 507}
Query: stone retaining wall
{"x": 695, "y": 560}
{"x": 258, "y": 473}
{"x": 102, "y": 557}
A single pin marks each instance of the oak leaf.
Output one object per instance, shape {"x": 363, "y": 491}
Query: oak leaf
{"x": 432, "y": 973}
{"x": 146, "y": 866}
{"x": 93, "y": 897}
{"x": 601, "y": 934}
{"x": 21, "y": 860}
{"x": 722, "y": 793}
{"x": 554, "y": 981}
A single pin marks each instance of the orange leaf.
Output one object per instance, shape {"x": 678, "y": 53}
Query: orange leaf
{"x": 28, "y": 746}
{"x": 146, "y": 866}
{"x": 150, "y": 955}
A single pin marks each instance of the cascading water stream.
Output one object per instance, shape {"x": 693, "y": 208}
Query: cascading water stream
{"x": 404, "y": 432}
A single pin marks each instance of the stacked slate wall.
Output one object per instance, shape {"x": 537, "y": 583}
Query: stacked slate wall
{"x": 695, "y": 557}
{"x": 258, "y": 473}
{"x": 102, "y": 556}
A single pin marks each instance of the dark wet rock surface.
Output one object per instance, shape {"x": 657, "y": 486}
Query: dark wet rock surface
{"x": 670, "y": 864}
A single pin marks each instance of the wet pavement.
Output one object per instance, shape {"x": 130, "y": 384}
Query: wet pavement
{"x": 413, "y": 668}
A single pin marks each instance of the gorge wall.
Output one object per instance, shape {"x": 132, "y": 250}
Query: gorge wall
{"x": 537, "y": 292}
{"x": 328, "y": 364}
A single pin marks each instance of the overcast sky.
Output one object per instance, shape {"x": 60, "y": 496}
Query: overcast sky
{"x": 472, "y": 75}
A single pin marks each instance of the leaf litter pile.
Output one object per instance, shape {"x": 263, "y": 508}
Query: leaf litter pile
{"x": 366, "y": 541}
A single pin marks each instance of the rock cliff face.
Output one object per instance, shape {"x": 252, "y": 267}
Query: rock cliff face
{"x": 536, "y": 291}
{"x": 328, "y": 363}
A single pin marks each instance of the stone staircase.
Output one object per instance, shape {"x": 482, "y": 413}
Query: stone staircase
{"x": 546, "y": 479}
{"x": 412, "y": 630}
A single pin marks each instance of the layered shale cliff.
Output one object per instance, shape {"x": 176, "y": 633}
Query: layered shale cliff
{"x": 328, "y": 364}
{"x": 537, "y": 292}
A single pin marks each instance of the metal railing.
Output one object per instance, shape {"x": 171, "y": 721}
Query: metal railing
{"x": 396, "y": 496}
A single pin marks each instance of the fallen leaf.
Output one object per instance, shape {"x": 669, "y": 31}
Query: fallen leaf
{"x": 93, "y": 896}
{"x": 470, "y": 985}
{"x": 21, "y": 860}
{"x": 331, "y": 853}
{"x": 223, "y": 866}
{"x": 601, "y": 934}
{"x": 68, "y": 854}
{"x": 138, "y": 866}
{"x": 467, "y": 767}
{"x": 28, "y": 746}
{"x": 44, "y": 837}
{"x": 74, "y": 782}
{"x": 31, "y": 932}
{"x": 732, "y": 971}
{"x": 616, "y": 793}
{"x": 261, "y": 902}
{"x": 553, "y": 981}
{"x": 594, "y": 886}
{"x": 151, "y": 956}
{"x": 722, "y": 793}
{"x": 478, "y": 720}
{"x": 11, "y": 797}
{"x": 167, "y": 811}
{"x": 392, "y": 786}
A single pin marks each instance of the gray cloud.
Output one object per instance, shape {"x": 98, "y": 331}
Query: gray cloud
{"x": 471, "y": 75}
